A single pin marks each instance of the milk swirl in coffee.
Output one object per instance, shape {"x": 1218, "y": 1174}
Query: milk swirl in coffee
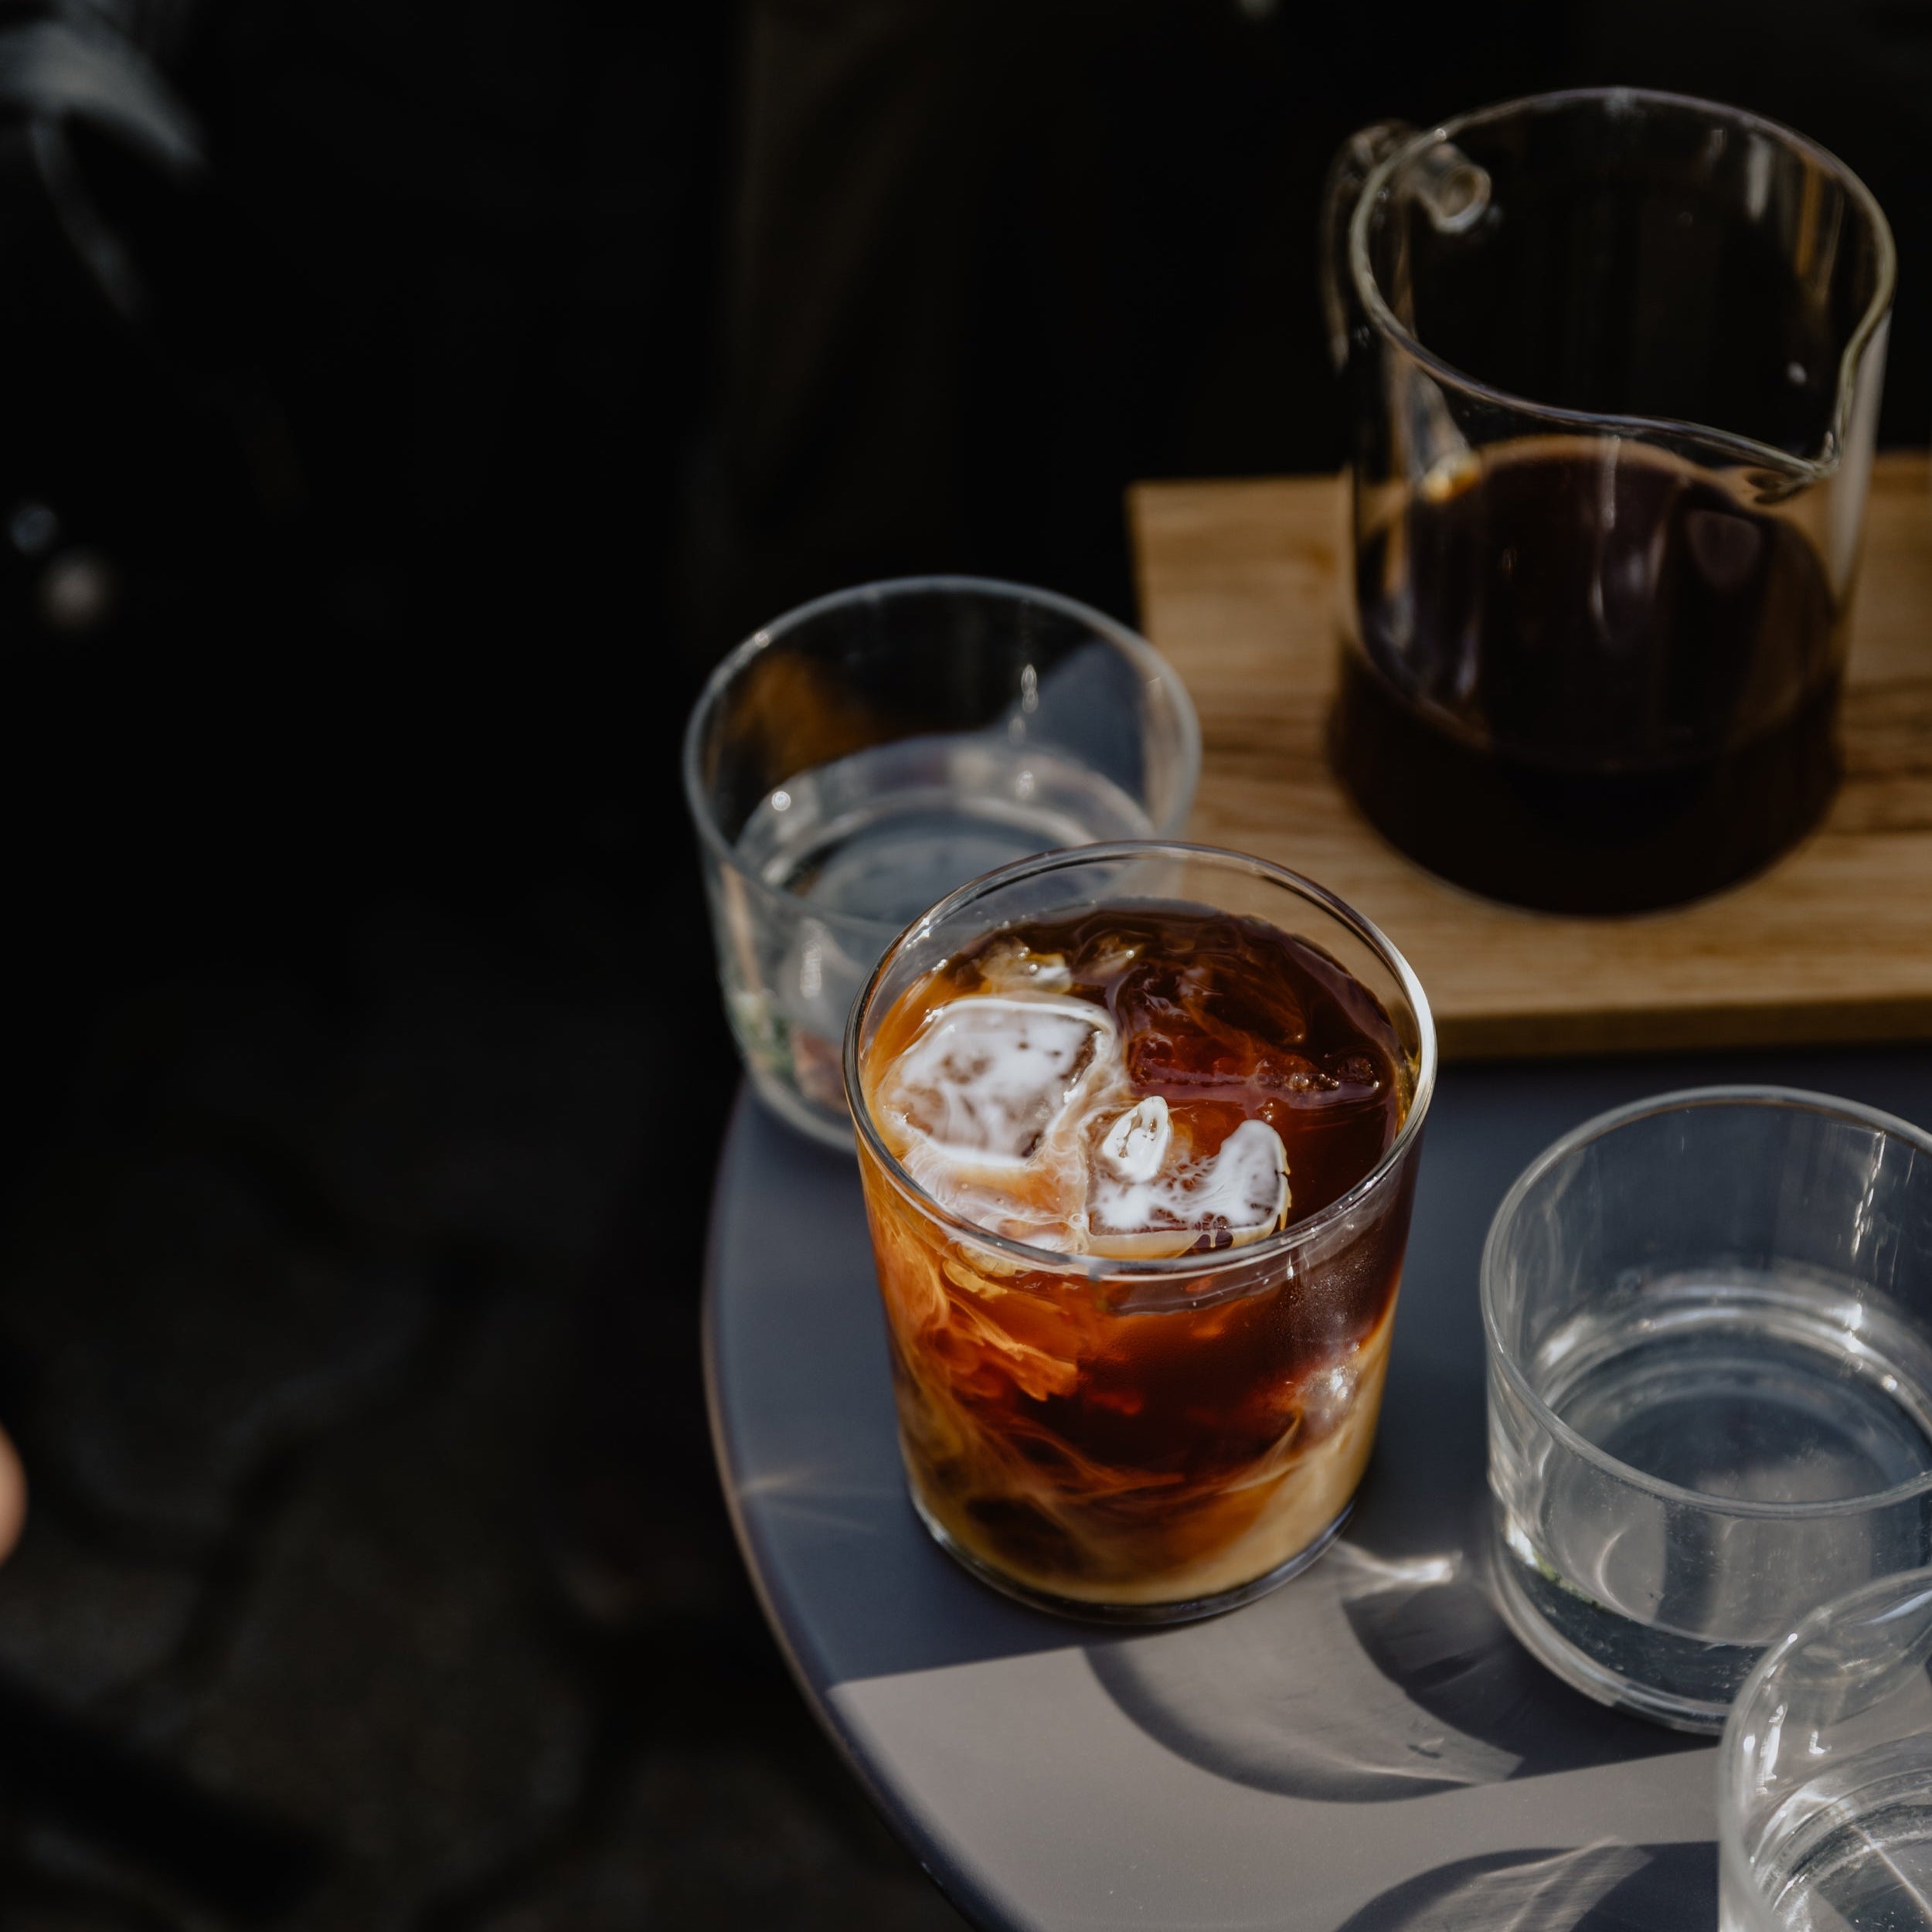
{"x": 1134, "y": 1084}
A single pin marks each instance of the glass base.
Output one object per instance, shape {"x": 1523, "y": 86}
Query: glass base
{"x": 798, "y": 1112}
{"x": 1186, "y": 1610}
{"x": 1583, "y": 843}
{"x": 1592, "y": 1674}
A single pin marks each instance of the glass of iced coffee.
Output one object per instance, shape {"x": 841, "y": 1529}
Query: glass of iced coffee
{"x": 1138, "y": 1126}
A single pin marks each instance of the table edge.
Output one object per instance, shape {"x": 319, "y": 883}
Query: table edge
{"x": 955, "y": 1883}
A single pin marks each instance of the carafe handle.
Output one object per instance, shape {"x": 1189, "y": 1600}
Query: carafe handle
{"x": 1355, "y": 160}
{"x": 1453, "y": 189}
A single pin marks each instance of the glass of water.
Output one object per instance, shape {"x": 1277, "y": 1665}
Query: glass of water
{"x": 852, "y": 763}
{"x": 1708, "y": 1324}
{"x": 1825, "y": 1776}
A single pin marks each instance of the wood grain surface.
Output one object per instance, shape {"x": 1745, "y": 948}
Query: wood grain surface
{"x": 1239, "y": 587}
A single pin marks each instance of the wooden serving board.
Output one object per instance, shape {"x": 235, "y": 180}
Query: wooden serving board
{"x": 1238, "y": 588}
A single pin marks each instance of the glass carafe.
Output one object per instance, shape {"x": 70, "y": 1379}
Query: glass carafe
{"x": 1616, "y": 358}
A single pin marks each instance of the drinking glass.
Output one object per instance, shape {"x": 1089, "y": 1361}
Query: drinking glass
{"x": 852, "y": 761}
{"x": 1141, "y": 1440}
{"x": 1615, "y": 359}
{"x": 1825, "y": 1775}
{"x": 1708, "y": 1320}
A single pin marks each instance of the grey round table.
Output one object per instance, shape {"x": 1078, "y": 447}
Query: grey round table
{"x": 1367, "y": 1748}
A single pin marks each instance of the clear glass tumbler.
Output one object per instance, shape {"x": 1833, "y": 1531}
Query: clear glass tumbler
{"x": 1825, "y": 1776}
{"x": 1145, "y": 1440}
{"x": 863, "y": 755}
{"x": 1615, "y": 359}
{"x": 1708, "y": 1322}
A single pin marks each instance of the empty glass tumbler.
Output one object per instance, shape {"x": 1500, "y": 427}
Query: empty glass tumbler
{"x": 1825, "y": 1776}
{"x": 1615, "y": 359}
{"x": 859, "y": 758}
{"x": 1708, "y": 1319}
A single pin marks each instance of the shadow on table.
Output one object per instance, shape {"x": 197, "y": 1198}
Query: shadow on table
{"x": 1593, "y": 1888}
{"x": 1368, "y": 1679}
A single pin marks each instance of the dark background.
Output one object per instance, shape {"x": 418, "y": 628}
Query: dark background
{"x": 404, "y": 402}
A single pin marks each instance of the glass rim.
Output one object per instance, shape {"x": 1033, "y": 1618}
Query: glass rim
{"x": 1799, "y": 468}
{"x": 1168, "y": 1267}
{"x": 1887, "y": 1590}
{"x": 1155, "y": 669}
{"x": 1503, "y": 1357}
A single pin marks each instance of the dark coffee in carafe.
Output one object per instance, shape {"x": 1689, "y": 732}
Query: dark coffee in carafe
{"x": 1588, "y": 678}
{"x": 1614, "y": 360}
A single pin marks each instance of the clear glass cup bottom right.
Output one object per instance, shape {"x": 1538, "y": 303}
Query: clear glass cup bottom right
{"x": 1708, "y": 1325}
{"x": 1825, "y": 1775}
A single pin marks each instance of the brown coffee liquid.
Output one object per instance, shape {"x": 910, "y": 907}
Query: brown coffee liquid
{"x": 1096, "y": 1450}
{"x": 1590, "y": 687}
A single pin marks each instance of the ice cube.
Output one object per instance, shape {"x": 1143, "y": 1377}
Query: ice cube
{"x": 1011, "y": 966}
{"x": 1135, "y": 1147}
{"x": 1227, "y": 1020}
{"x": 1235, "y": 1195}
{"x": 1109, "y": 956}
{"x": 989, "y": 1078}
